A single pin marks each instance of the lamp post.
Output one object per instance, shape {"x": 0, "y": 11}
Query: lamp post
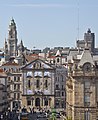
{"x": 6, "y": 115}
{"x": 1, "y": 117}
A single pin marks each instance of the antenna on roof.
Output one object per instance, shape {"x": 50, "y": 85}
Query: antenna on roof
{"x": 78, "y": 19}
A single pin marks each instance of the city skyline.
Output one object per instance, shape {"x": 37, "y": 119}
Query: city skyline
{"x": 51, "y": 23}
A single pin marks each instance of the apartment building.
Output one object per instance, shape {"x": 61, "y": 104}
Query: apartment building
{"x": 3, "y": 92}
{"x": 13, "y": 72}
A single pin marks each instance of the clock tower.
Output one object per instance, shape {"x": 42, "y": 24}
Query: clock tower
{"x": 12, "y": 39}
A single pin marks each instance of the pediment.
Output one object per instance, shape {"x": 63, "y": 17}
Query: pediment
{"x": 38, "y": 64}
{"x": 86, "y": 57}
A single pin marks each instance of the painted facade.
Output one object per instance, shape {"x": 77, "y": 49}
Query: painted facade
{"x": 38, "y": 85}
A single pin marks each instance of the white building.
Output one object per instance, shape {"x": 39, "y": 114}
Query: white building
{"x": 38, "y": 85}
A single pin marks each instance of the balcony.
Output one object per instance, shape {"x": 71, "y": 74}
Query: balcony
{"x": 87, "y": 90}
{"x": 82, "y": 73}
{"x": 57, "y": 88}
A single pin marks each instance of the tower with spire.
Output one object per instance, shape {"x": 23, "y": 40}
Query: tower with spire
{"x": 12, "y": 39}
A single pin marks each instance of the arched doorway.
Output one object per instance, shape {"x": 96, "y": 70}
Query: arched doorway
{"x": 37, "y": 102}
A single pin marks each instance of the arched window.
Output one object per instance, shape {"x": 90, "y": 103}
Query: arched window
{"x": 46, "y": 102}
{"x": 58, "y": 60}
{"x": 37, "y": 102}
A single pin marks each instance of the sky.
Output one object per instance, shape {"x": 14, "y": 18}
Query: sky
{"x": 49, "y": 23}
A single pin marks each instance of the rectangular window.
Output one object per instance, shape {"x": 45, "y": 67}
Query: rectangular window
{"x": 62, "y": 78}
{"x": 62, "y": 87}
{"x": 87, "y": 85}
{"x": 87, "y": 93}
{"x": 29, "y": 83}
{"x": 46, "y": 84}
{"x": 87, "y": 115}
{"x": 18, "y": 78}
{"x": 18, "y": 87}
{"x": 14, "y": 86}
{"x": 37, "y": 83}
{"x": 46, "y": 102}
{"x": 14, "y": 78}
{"x": 14, "y": 95}
{"x": 18, "y": 96}
{"x": 57, "y": 87}
{"x": 62, "y": 93}
{"x": 9, "y": 78}
{"x": 28, "y": 102}
{"x": 57, "y": 94}
{"x": 58, "y": 78}
{"x": 87, "y": 99}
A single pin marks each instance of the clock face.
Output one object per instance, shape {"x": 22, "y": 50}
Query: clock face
{"x": 87, "y": 67}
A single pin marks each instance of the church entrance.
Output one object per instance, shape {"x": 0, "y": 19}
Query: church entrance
{"x": 37, "y": 102}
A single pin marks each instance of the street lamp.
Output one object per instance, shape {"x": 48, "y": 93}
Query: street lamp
{"x": 1, "y": 117}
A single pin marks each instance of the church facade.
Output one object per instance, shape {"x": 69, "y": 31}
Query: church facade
{"x": 38, "y": 85}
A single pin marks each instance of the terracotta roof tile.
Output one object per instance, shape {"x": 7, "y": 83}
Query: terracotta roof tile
{"x": 10, "y": 63}
{"x": 2, "y": 73}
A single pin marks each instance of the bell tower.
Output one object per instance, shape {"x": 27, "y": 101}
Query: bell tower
{"x": 12, "y": 39}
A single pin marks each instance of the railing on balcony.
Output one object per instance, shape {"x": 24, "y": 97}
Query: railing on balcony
{"x": 82, "y": 73}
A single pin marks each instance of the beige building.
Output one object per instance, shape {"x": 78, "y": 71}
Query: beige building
{"x": 38, "y": 85}
{"x": 82, "y": 87}
{"x": 12, "y": 70}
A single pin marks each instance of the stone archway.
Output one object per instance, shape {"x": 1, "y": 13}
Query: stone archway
{"x": 37, "y": 102}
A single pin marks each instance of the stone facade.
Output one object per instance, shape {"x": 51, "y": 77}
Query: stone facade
{"x": 82, "y": 88}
